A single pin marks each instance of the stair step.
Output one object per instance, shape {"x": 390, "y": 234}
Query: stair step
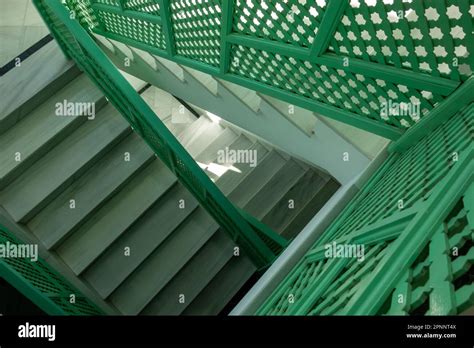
{"x": 90, "y": 191}
{"x": 25, "y": 87}
{"x": 301, "y": 193}
{"x": 142, "y": 238}
{"x": 109, "y": 222}
{"x": 222, "y": 288}
{"x": 188, "y": 237}
{"x": 223, "y": 140}
{"x": 239, "y": 269}
{"x": 35, "y": 188}
{"x": 311, "y": 208}
{"x": 196, "y": 136}
{"x": 36, "y": 134}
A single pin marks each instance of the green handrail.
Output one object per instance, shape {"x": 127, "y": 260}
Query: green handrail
{"x": 260, "y": 245}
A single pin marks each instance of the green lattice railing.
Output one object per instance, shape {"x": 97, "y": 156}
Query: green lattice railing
{"x": 415, "y": 220}
{"x": 342, "y": 59}
{"x": 44, "y": 286}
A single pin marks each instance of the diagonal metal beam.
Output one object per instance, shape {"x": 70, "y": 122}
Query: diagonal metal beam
{"x": 327, "y": 27}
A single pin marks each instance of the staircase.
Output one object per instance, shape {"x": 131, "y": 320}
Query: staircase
{"x": 92, "y": 193}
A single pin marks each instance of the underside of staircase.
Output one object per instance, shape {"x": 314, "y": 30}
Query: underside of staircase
{"x": 96, "y": 198}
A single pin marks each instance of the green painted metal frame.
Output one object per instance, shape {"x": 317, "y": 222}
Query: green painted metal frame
{"x": 261, "y": 246}
{"x": 168, "y": 27}
{"x": 43, "y": 285}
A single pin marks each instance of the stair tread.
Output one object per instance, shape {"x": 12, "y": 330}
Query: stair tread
{"x": 246, "y": 202}
{"x": 109, "y": 222}
{"x": 190, "y": 279}
{"x": 89, "y": 191}
{"x": 107, "y": 263}
{"x": 42, "y": 127}
{"x": 64, "y": 162}
{"x": 263, "y": 172}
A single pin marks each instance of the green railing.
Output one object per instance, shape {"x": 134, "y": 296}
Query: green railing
{"x": 415, "y": 220}
{"x": 342, "y": 59}
{"x": 40, "y": 283}
{"x": 260, "y": 243}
